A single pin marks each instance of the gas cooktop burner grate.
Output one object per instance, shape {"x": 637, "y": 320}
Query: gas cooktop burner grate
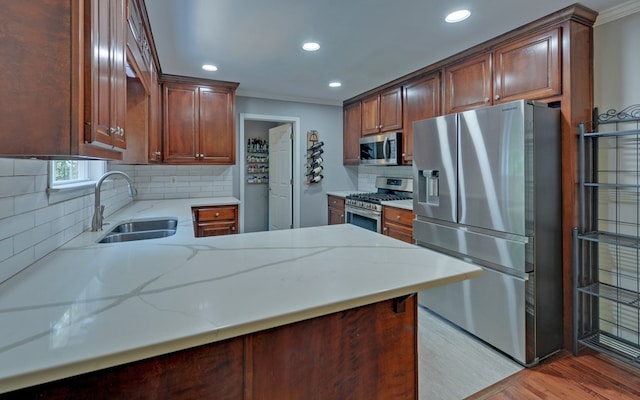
{"x": 378, "y": 197}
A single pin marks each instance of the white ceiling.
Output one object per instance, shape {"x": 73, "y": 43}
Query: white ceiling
{"x": 364, "y": 43}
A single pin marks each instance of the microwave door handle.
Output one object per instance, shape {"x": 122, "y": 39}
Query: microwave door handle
{"x": 385, "y": 146}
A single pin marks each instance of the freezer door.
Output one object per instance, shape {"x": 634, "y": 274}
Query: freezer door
{"x": 491, "y": 166}
{"x": 435, "y": 167}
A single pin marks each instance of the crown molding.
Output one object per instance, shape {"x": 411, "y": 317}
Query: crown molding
{"x": 617, "y": 12}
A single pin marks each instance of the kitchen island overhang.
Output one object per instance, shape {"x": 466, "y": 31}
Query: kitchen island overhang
{"x": 138, "y": 300}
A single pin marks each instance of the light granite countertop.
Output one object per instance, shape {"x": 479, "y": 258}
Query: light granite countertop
{"x": 89, "y": 306}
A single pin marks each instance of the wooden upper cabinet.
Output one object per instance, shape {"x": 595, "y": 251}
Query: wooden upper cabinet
{"x": 421, "y": 101}
{"x": 528, "y": 68}
{"x": 382, "y": 112}
{"x": 468, "y": 84}
{"x": 105, "y": 77}
{"x": 216, "y": 128}
{"x": 72, "y": 77}
{"x": 352, "y": 131}
{"x": 180, "y": 123}
{"x": 199, "y": 124}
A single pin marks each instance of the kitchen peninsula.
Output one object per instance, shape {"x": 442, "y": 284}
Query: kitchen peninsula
{"x": 324, "y": 310}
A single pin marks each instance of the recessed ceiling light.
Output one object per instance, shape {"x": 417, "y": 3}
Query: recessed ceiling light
{"x": 335, "y": 84}
{"x": 209, "y": 67}
{"x": 311, "y": 46}
{"x": 458, "y": 16}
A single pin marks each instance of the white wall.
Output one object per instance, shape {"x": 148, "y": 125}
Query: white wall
{"x": 617, "y": 86}
{"x": 617, "y": 63}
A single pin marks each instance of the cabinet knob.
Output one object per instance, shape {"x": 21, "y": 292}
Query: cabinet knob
{"x": 341, "y": 215}
{"x": 486, "y": 99}
{"x": 217, "y": 214}
{"x": 496, "y": 97}
{"x": 385, "y": 229}
{"x": 233, "y": 228}
{"x": 397, "y": 216}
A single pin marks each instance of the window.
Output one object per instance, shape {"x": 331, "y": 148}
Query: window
{"x": 74, "y": 173}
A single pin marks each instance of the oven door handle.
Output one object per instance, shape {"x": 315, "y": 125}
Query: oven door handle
{"x": 362, "y": 212}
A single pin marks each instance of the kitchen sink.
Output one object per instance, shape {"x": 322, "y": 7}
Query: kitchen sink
{"x": 141, "y": 229}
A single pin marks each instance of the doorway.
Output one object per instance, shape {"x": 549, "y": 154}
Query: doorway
{"x": 254, "y": 193}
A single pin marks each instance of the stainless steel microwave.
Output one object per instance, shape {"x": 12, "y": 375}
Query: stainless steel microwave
{"x": 383, "y": 149}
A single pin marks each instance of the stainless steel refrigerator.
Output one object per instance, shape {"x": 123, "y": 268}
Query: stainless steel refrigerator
{"x": 487, "y": 189}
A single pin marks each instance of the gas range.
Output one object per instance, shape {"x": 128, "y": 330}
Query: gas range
{"x": 365, "y": 209}
{"x": 389, "y": 189}
{"x": 373, "y": 201}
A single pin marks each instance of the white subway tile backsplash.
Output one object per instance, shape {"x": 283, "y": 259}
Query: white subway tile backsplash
{"x": 30, "y": 167}
{"x": 16, "y": 185}
{"x": 16, "y": 224}
{"x": 31, "y": 237}
{"x": 6, "y": 207}
{"x": 30, "y": 202}
{"x": 17, "y": 263}
{"x": 6, "y": 168}
{"x": 50, "y": 213}
{"x": 6, "y": 248}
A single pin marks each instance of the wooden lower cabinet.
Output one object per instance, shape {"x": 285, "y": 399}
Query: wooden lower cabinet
{"x": 398, "y": 223}
{"x": 336, "y": 210}
{"x": 368, "y": 352}
{"x": 215, "y": 220}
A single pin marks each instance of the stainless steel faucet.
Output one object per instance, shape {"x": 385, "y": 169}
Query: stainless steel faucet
{"x": 96, "y": 222}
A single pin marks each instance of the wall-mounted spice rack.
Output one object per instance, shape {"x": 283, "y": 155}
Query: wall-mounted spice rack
{"x": 314, "y": 158}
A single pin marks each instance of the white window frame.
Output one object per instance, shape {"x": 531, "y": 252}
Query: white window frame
{"x": 89, "y": 172}
{"x": 66, "y": 190}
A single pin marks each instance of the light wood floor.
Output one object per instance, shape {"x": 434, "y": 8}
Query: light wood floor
{"x": 591, "y": 375}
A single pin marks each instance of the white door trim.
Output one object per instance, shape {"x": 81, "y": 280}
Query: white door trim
{"x": 297, "y": 181}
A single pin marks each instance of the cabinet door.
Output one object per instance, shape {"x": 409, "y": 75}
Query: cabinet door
{"x": 118, "y": 104}
{"x": 468, "y": 84}
{"x": 98, "y": 74}
{"x": 398, "y": 223}
{"x": 155, "y": 117}
{"x": 216, "y": 126}
{"x": 335, "y": 209}
{"x": 391, "y": 110}
{"x": 528, "y": 68}
{"x": 366, "y": 352}
{"x": 421, "y": 101}
{"x": 370, "y": 115}
{"x": 351, "y": 134}
{"x": 105, "y": 80}
{"x": 180, "y": 123}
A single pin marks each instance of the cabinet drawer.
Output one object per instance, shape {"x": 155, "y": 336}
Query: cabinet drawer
{"x": 335, "y": 202}
{"x": 204, "y": 229}
{"x": 215, "y": 213}
{"x": 398, "y": 216}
